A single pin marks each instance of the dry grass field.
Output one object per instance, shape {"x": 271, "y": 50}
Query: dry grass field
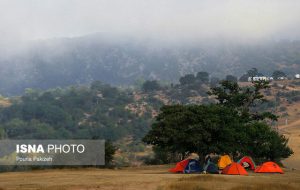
{"x": 287, "y": 181}
{"x": 77, "y": 179}
{"x": 146, "y": 178}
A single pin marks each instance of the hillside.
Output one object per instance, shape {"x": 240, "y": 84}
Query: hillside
{"x": 95, "y": 111}
{"x": 292, "y": 131}
{"x": 67, "y": 61}
{"x": 290, "y": 126}
{"x": 121, "y": 115}
{"x": 287, "y": 108}
{"x": 90, "y": 111}
{"x": 116, "y": 107}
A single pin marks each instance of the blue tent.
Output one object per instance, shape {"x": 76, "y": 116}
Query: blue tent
{"x": 193, "y": 166}
{"x": 211, "y": 168}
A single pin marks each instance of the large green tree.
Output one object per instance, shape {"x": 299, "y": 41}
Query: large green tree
{"x": 194, "y": 128}
{"x": 228, "y": 126}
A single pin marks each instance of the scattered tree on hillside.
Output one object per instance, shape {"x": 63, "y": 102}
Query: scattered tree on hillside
{"x": 214, "y": 81}
{"x": 230, "y": 94}
{"x": 2, "y": 134}
{"x": 252, "y": 72}
{"x": 278, "y": 74}
{"x": 187, "y": 79}
{"x": 149, "y": 86}
{"x": 231, "y": 78}
{"x": 96, "y": 85}
{"x": 244, "y": 78}
{"x": 203, "y": 77}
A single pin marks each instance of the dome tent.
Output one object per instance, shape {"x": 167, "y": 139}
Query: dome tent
{"x": 224, "y": 161}
{"x": 187, "y": 166}
{"x": 247, "y": 162}
{"x": 211, "y": 168}
{"x": 269, "y": 167}
{"x": 234, "y": 169}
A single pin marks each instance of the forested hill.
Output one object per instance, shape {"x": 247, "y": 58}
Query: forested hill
{"x": 93, "y": 111}
{"x": 97, "y": 111}
{"x": 122, "y": 115}
{"x": 63, "y": 62}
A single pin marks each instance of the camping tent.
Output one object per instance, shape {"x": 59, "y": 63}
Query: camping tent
{"x": 224, "y": 161}
{"x": 193, "y": 166}
{"x": 211, "y": 168}
{"x": 234, "y": 169}
{"x": 269, "y": 167}
{"x": 247, "y": 162}
{"x": 179, "y": 166}
{"x": 187, "y": 166}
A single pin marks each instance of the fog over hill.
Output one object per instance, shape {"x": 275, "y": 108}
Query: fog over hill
{"x": 46, "y": 44}
{"x": 67, "y": 61}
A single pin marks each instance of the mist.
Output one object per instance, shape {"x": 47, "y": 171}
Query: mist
{"x": 173, "y": 20}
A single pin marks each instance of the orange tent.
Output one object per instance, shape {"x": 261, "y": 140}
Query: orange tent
{"x": 234, "y": 169}
{"x": 269, "y": 167}
{"x": 224, "y": 161}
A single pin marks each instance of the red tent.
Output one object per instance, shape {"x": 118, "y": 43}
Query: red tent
{"x": 234, "y": 169}
{"x": 269, "y": 167}
{"x": 247, "y": 160}
{"x": 179, "y": 166}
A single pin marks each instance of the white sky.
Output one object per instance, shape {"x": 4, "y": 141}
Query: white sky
{"x": 175, "y": 19}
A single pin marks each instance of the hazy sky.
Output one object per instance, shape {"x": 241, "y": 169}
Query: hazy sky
{"x": 174, "y": 19}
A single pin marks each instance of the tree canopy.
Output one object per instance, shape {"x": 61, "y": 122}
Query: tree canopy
{"x": 149, "y": 86}
{"x": 231, "y": 78}
{"x": 187, "y": 79}
{"x": 277, "y": 74}
{"x": 203, "y": 76}
{"x": 228, "y": 126}
{"x": 230, "y": 94}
